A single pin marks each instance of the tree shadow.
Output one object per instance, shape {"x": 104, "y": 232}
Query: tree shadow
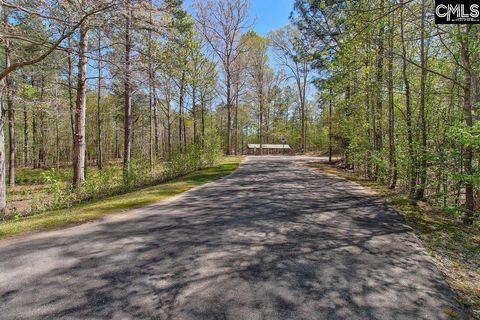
{"x": 271, "y": 241}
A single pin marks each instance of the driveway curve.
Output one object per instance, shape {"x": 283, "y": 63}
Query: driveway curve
{"x": 274, "y": 240}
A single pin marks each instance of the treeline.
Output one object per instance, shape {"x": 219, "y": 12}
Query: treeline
{"x": 115, "y": 82}
{"x": 401, "y": 95}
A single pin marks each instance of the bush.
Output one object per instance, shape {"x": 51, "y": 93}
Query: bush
{"x": 61, "y": 193}
{"x": 191, "y": 158}
{"x": 98, "y": 183}
{"x": 109, "y": 181}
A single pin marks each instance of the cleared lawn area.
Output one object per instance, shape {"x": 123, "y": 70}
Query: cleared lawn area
{"x": 454, "y": 246}
{"x": 98, "y": 208}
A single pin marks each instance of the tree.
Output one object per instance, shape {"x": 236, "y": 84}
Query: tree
{"x": 127, "y": 126}
{"x": 79, "y": 147}
{"x": 10, "y": 106}
{"x": 431, "y": 156}
{"x": 292, "y": 53}
{"x": 258, "y": 71}
{"x": 67, "y": 18}
{"x": 221, "y": 23}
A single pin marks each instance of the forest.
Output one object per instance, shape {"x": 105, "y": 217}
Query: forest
{"x": 101, "y": 97}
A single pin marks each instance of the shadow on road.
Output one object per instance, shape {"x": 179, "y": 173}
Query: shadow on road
{"x": 272, "y": 241}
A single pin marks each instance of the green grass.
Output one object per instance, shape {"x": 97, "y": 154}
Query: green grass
{"x": 454, "y": 246}
{"x": 96, "y": 209}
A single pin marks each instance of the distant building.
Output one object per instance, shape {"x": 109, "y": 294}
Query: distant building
{"x": 254, "y": 148}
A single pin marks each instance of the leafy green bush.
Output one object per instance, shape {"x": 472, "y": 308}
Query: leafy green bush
{"x": 98, "y": 183}
{"x": 61, "y": 193}
{"x": 191, "y": 158}
{"x": 109, "y": 181}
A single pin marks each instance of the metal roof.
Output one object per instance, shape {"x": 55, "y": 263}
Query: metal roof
{"x": 268, "y": 146}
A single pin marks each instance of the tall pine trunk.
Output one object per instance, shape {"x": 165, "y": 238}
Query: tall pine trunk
{"x": 99, "y": 115}
{"x": 194, "y": 115}
{"x": 181, "y": 118}
{"x": 3, "y": 181}
{"x": 391, "y": 110}
{"x": 25, "y": 135}
{"x": 423, "y": 125}
{"x": 408, "y": 108}
{"x": 330, "y": 127}
{"x": 378, "y": 114}
{"x": 229, "y": 110}
{"x": 127, "y": 142}
{"x": 468, "y": 118}
{"x": 70, "y": 90}
{"x": 79, "y": 147}
{"x": 10, "y": 106}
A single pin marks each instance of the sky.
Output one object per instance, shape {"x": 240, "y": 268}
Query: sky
{"x": 270, "y": 14}
{"x": 267, "y": 15}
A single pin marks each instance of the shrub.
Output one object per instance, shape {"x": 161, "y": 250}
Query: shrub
{"x": 191, "y": 158}
{"x": 61, "y": 193}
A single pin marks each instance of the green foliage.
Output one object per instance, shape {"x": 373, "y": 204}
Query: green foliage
{"x": 109, "y": 181}
{"x": 99, "y": 183}
{"x": 61, "y": 193}
{"x": 98, "y": 208}
{"x": 468, "y": 137}
{"x": 193, "y": 157}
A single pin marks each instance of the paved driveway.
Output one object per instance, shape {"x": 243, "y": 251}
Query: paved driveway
{"x": 272, "y": 241}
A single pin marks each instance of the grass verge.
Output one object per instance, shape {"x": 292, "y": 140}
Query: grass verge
{"x": 99, "y": 208}
{"x": 455, "y": 247}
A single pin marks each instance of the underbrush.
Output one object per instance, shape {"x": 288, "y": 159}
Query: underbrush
{"x": 52, "y": 188}
{"x": 116, "y": 204}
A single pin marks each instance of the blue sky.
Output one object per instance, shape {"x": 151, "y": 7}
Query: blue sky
{"x": 268, "y": 15}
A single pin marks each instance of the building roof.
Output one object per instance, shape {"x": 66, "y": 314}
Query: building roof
{"x": 268, "y": 146}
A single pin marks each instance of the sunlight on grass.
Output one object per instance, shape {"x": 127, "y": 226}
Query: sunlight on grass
{"x": 100, "y": 208}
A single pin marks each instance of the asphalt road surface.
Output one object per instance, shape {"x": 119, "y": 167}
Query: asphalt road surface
{"x": 274, "y": 240}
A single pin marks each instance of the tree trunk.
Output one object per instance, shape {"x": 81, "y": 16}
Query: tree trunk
{"x": 229, "y": 112}
{"x": 237, "y": 94}
{"x": 25, "y": 135}
{"x": 169, "y": 130}
{"x": 10, "y": 106}
{"x": 99, "y": 118}
{"x": 181, "y": 111}
{"x": 303, "y": 93}
{"x": 155, "y": 121}
{"x": 378, "y": 127}
{"x": 70, "y": 90}
{"x": 468, "y": 118}
{"x": 203, "y": 116}
{"x": 330, "y": 127}
{"x": 194, "y": 115}
{"x": 423, "y": 126}
{"x": 260, "y": 103}
{"x": 41, "y": 120}
{"x": 150, "y": 94}
{"x": 57, "y": 136}
{"x": 3, "y": 182}
{"x": 391, "y": 111}
{"x": 127, "y": 146}
{"x": 408, "y": 108}
{"x": 34, "y": 140}
{"x": 79, "y": 147}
